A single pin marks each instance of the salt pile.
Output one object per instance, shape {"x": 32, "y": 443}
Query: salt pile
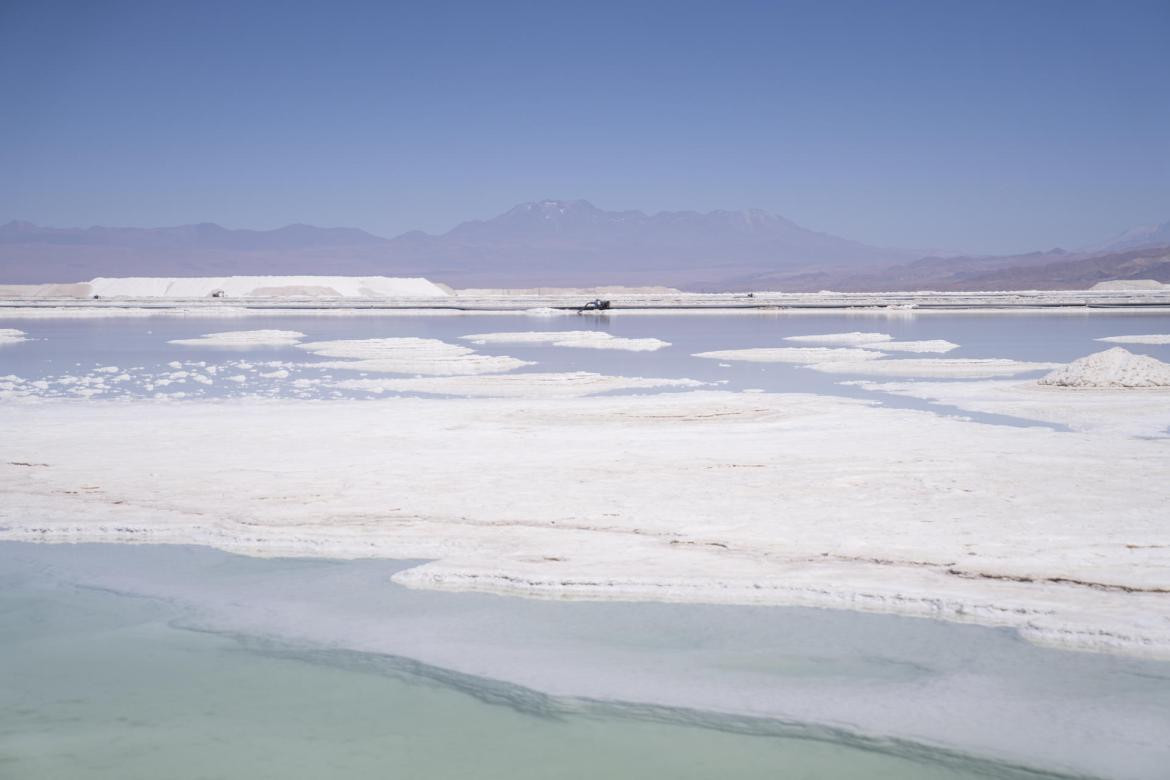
{"x": 11, "y": 335}
{"x": 244, "y": 338}
{"x": 585, "y": 339}
{"x": 265, "y": 286}
{"x": 1116, "y": 367}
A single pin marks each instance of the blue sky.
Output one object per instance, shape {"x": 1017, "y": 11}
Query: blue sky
{"x": 988, "y": 126}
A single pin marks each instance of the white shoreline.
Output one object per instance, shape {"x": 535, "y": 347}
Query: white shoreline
{"x": 622, "y": 303}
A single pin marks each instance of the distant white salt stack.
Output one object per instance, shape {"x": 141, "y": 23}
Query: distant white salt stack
{"x": 1115, "y": 367}
{"x": 1130, "y": 284}
{"x": 265, "y": 287}
{"x": 11, "y": 336}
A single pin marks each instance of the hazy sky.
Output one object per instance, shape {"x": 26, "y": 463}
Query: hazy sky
{"x": 983, "y": 125}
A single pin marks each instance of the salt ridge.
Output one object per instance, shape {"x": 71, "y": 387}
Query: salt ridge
{"x": 1150, "y": 338}
{"x": 524, "y": 385}
{"x": 856, "y": 338}
{"x": 244, "y": 338}
{"x": 959, "y": 368}
{"x": 409, "y": 355}
{"x": 800, "y": 355}
{"x": 582, "y": 339}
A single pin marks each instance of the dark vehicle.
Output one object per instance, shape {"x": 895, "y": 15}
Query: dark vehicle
{"x": 597, "y": 304}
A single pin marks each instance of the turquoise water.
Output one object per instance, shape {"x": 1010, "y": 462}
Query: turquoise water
{"x": 96, "y": 685}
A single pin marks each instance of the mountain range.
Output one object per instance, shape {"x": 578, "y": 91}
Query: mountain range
{"x": 561, "y": 242}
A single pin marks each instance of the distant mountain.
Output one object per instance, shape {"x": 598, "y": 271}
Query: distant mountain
{"x": 1138, "y": 237}
{"x": 568, "y": 243}
{"x": 205, "y": 235}
{"x": 1052, "y": 270}
{"x": 540, "y": 243}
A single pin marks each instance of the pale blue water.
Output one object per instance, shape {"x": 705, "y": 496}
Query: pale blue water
{"x": 139, "y": 345}
{"x": 149, "y": 662}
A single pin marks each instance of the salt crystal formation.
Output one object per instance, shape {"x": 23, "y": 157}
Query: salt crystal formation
{"x": 1115, "y": 367}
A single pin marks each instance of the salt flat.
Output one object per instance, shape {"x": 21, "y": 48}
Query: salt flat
{"x": 695, "y": 496}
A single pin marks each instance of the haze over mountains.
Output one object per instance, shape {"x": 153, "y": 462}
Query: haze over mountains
{"x": 556, "y": 242}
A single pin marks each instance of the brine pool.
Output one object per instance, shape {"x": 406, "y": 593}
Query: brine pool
{"x": 180, "y": 662}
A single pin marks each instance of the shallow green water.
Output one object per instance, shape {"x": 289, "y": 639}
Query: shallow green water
{"x": 97, "y": 685}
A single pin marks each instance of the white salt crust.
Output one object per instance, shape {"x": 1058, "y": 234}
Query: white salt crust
{"x": 855, "y": 338}
{"x": 695, "y": 496}
{"x": 1129, "y": 412}
{"x": 244, "y": 338}
{"x": 800, "y": 355}
{"x": 11, "y": 336}
{"x": 523, "y": 385}
{"x": 930, "y": 345}
{"x": 957, "y": 368}
{"x": 585, "y": 339}
{"x": 1149, "y": 338}
{"x": 409, "y": 356}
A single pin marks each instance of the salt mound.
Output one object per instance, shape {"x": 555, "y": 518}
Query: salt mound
{"x": 266, "y": 286}
{"x": 11, "y": 335}
{"x": 1115, "y": 367}
{"x": 1130, "y": 284}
